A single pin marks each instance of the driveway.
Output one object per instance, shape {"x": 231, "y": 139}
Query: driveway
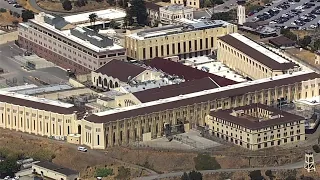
{"x": 231, "y": 4}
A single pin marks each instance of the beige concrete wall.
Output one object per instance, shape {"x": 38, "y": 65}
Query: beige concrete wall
{"x": 92, "y": 135}
{"x": 74, "y": 139}
{"x": 52, "y": 174}
{"x": 8, "y": 37}
{"x": 191, "y": 3}
{"x": 70, "y": 49}
{"x": 75, "y": 83}
{"x": 148, "y": 75}
{"x": 256, "y": 139}
{"x": 169, "y": 43}
{"x": 34, "y": 121}
{"x": 126, "y": 100}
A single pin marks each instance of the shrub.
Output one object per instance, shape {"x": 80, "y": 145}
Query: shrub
{"x": 256, "y": 175}
{"x": 206, "y": 162}
{"x": 3, "y": 10}
{"x": 103, "y": 172}
{"x": 66, "y": 4}
{"x": 316, "y": 148}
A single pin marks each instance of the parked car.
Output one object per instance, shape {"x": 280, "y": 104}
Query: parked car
{"x": 17, "y": 6}
{"x": 83, "y": 149}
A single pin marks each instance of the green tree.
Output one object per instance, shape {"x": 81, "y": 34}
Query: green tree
{"x": 8, "y": 167}
{"x": 316, "y": 148}
{"x": 225, "y": 16}
{"x": 287, "y": 33}
{"x": 269, "y": 174}
{"x": 15, "y": 22}
{"x": 137, "y": 10}
{"x": 111, "y": 2}
{"x": 316, "y": 44}
{"x": 206, "y": 162}
{"x": 27, "y": 14}
{"x": 93, "y": 18}
{"x": 305, "y": 41}
{"x": 114, "y": 24}
{"x": 66, "y": 4}
{"x": 256, "y": 175}
{"x": 185, "y": 176}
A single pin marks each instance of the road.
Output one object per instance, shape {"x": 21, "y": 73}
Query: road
{"x": 292, "y": 6}
{"x": 6, "y": 5}
{"x": 297, "y": 165}
{"x": 219, "y": 8}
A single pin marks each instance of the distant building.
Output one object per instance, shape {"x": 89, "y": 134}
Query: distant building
{"x": 282, "y": 42}
{"x": 169, "y": 14}
{"x": 116, "y": 73}
{"x": 250, "y": 59}
{"x": 256, "y": 126}
{"x": 79, "y": 49}
{"x": 190, "y": 3}
{"x": 53, "y": 171}
{"x": 193, "y": 38}
{"x": 260, "y": 28}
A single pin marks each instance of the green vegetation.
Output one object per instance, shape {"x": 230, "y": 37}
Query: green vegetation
{"x": 123, "y": 173}
{"x": 256, "y": 175}
{"x": 206, "y": 162}
{"x": 305, "y": 41}
{"x": 114, "y": 24}
{"x": 287, "y": 33}
{"x": 3, "y": 10}
{"x": 193, "y": 175}
{"x": 136, "y": 14}
{"x": 316, "y": 148}
{"x": 27, "y": 14}
{"x": 103, "y": 172}
{"x": 9, "y": 166}
{"x": 80, "y": 3}
{"x": 212, "y": 3}
{"x": 66, "y": 4}
{"x": 225, "y": 16}
{"x": 269, "y": 174}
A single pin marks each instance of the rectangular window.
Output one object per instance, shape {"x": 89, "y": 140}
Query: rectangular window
{"x": 98, "y": 139}
{"x": 211, "y": 41}
{"x": 168, "y": 50}
{"x": 200, "y": 43}
{"x": 144, "y": 53}
{"x": 173, "y": 49}
{"x": 195, "y": 45}
{"x": 184, "y": 47}
{"x": 161, "y": 50}
{"x": 206, "y": 43}
{"x": 157, "y": 51}
{"x": 150, "y": 52}
{"x": 190, "y": 46}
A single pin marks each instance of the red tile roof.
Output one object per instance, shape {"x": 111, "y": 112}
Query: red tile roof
{"x": 186, "y": 72}
{"x": 120, "y": 70}
{"x": 175, "y": 90}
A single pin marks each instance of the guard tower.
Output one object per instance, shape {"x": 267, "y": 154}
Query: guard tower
{"x": 241, "y": 12}
{"x": 309, "y": 162}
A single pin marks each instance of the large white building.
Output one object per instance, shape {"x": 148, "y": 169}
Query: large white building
{"x": 79, "y": 49}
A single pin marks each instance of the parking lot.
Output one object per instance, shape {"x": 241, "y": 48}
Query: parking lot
{"x": 290, "y": 13}
{"x": 10, "y": 6}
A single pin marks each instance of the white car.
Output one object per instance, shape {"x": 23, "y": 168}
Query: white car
{"x": 7, "y": 177}
{"x": 83, "y": 149}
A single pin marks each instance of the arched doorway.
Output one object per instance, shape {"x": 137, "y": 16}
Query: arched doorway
{"x": 116, "y": 84}
{"x": 110, "y": 84}
{"x": 99, "y": 80}
{"x": 79, "y": 129}
{"x": 105, "y": 82}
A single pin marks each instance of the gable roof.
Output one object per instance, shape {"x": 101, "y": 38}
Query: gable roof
{"x": 286, "y": 117}
{"x": 175, "y": 90}
{"x": 186, "y": 72}
{"x": 256, "y": 54}
{"x": 226, "y": 92}
{"x": 120, "y": 70}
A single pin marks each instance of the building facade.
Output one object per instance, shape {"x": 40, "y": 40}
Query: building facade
{"x": 195, "y": 38}
{"x": 79, "y": 49}
{"x": 53, "y": 171}
{"x": 190, "y": 3}
{"x": 169, "y": 14}
{"x": 128, "y": 124}
{"x": 107, "y": 77}
{"x": 37, "y": 116}
{"x": 250, "y": 59}
{"x": 256, "y": 126}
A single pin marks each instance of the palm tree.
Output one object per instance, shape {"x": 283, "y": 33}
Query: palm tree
{"x": 93, "y": 17}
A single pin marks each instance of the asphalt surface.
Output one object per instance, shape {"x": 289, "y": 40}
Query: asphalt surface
{"x": 292, "y": 6}
{"x": 231, "y": 4}
{"x": 14, "y": 69}
{"x": 6, "y": 5}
